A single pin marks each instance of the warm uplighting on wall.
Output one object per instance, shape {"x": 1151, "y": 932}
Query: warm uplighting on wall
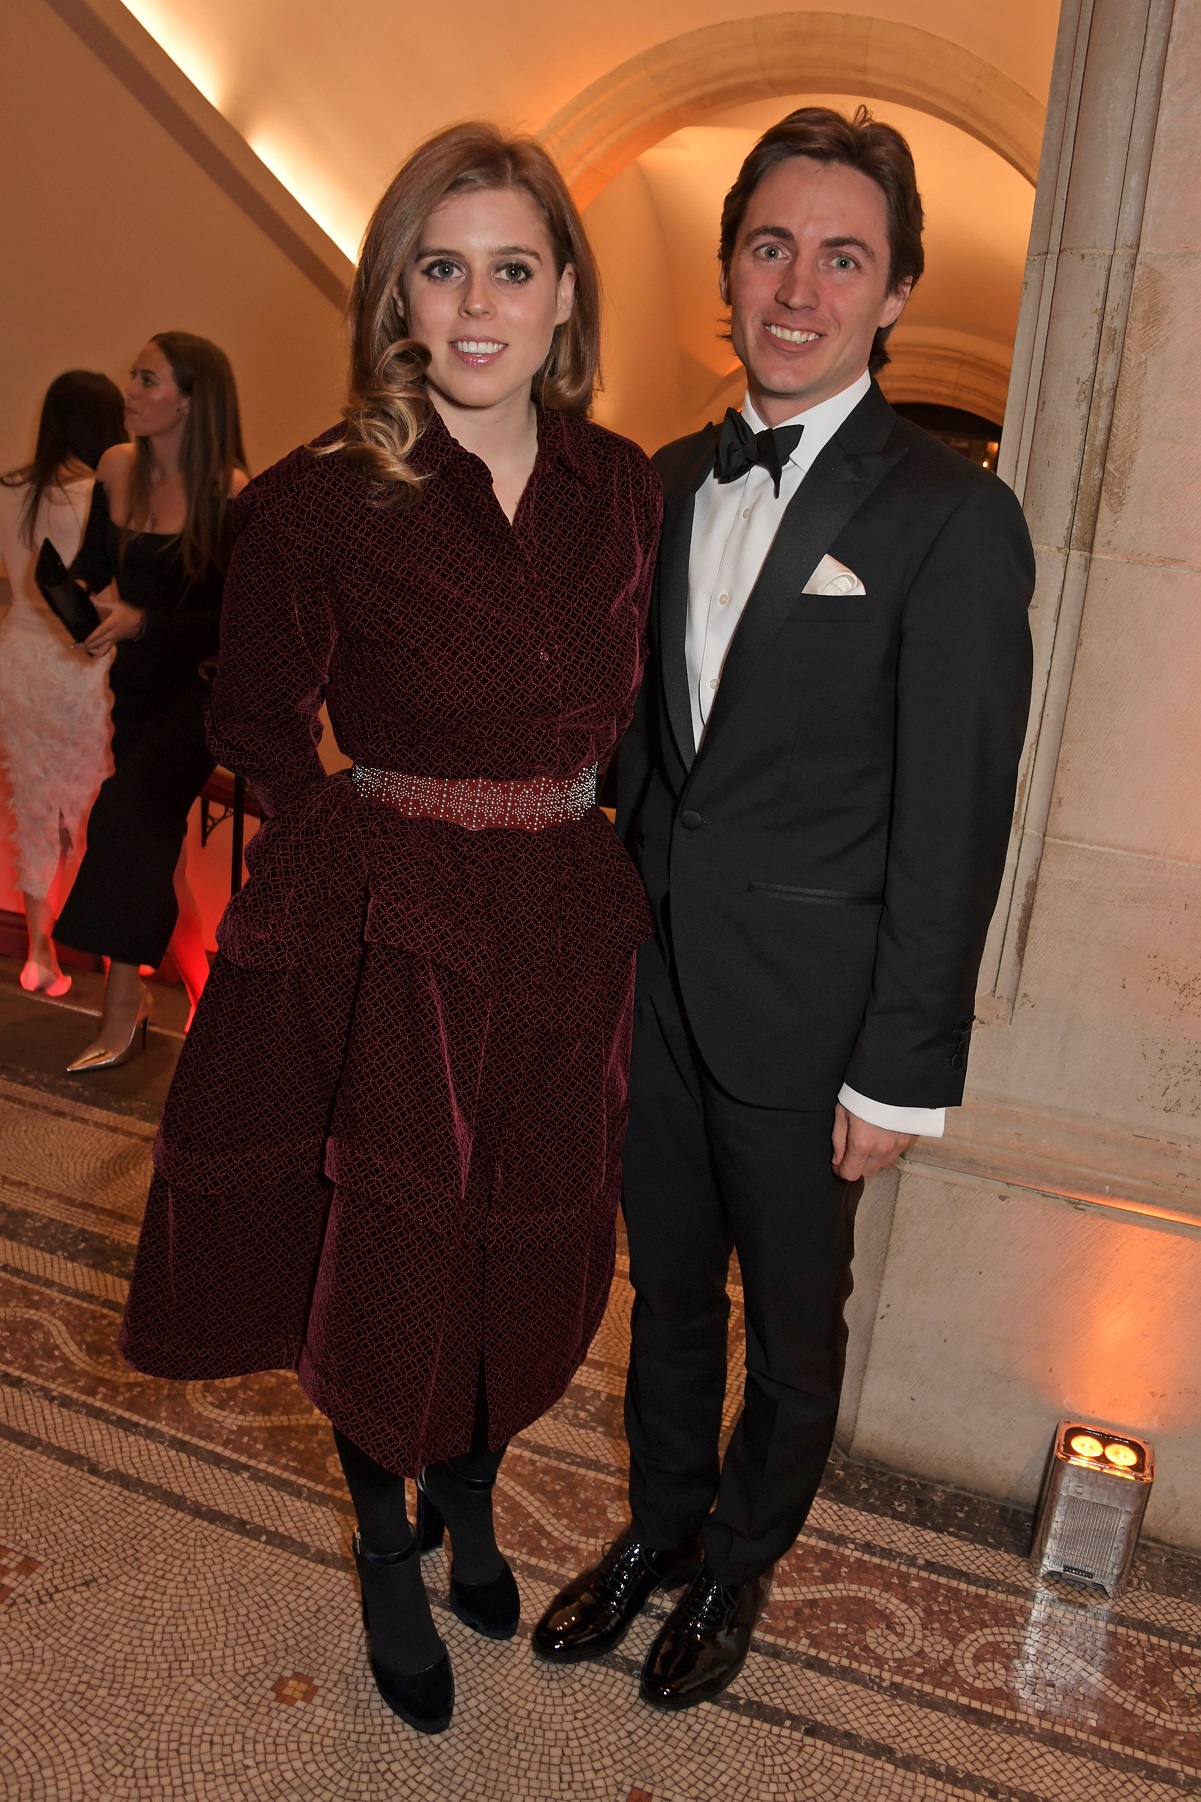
{"x": 333, "y": 218}
{"x": 330, "y": 212}
{"x": 195, "y": 62}
{"x": 1116, "y": 1358}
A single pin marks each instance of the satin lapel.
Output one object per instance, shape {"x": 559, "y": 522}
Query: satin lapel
{"x": 829, "y": 497}
{"x": 678, "y": 512}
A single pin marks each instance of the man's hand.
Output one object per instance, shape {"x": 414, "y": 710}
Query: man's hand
{"x": 862, "y": 1150}
{"x": 118, "y": 620}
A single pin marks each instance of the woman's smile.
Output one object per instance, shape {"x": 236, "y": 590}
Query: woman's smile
{"x": 478, "y": 353}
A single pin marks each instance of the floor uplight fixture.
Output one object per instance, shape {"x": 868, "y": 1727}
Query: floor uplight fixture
{"x": 1092, "y": 1504}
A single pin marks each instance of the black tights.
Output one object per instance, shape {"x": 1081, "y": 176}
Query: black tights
{"x": 379, "y": 1496}
{"x": 379, "y": 1500}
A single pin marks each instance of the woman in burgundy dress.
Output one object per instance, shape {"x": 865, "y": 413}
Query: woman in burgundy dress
{"x": 390, "y": 1157}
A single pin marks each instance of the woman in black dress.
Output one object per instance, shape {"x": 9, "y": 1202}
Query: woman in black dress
{"x": 154, "y": 556}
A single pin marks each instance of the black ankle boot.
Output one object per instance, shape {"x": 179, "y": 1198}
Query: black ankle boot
{"x": 396, "y": 1616}
{"x": 493, "y": 1609}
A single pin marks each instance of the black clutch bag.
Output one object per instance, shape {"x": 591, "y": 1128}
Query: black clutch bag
{"x": 64, "y": 595}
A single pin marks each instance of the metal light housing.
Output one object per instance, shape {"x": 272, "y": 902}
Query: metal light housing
{"x": 1091, "y": 1509}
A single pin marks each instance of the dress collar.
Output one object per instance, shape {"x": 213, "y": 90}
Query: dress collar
{"x": 571, "y": 441}
{"x": 560, "y": 437}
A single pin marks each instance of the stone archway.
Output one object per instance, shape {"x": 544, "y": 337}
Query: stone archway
{"x": 688, "y": 78}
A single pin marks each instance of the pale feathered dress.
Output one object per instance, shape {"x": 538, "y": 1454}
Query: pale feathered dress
{"x": 54, "y": 698}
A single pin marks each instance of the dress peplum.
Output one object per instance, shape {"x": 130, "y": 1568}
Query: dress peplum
{"x": 390, "y": 1158}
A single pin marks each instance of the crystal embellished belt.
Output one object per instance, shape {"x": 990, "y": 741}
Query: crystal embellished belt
{"x": 478, "y": 803}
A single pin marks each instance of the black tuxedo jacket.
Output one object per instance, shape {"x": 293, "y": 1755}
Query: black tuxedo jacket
{"x": 823, "y": 871}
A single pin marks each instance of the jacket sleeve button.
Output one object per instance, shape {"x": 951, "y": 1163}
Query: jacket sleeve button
{"x": 690, "y": 820}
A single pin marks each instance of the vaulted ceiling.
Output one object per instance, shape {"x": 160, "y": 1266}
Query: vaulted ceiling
{"x": 337, "y": 94}
{"x": 650, "y": 104}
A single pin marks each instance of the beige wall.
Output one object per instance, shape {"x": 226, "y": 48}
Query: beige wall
{"x": 109, "y": 232}
{"x": 640, "y": 343}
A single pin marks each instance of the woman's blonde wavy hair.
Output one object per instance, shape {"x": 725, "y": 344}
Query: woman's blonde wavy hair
{"x": 387, "y": 408}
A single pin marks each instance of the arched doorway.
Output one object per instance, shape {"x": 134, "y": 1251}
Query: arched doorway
{"x": 651, "y": 148}
{"x": 687, "y": 79}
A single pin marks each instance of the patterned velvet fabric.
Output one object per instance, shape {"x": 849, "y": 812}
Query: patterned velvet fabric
{"x": 392, "y": 1145}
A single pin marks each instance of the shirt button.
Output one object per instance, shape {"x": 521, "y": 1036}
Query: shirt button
{"x": 746, "y": 513}
{"x": 713, "y": 683}
{"x": 722, "y": 600}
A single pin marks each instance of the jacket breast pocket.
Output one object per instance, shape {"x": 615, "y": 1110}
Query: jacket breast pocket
{"x": 833, "y": 610}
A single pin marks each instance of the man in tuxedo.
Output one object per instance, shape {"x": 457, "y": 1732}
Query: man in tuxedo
{"x": 818, "y": 788}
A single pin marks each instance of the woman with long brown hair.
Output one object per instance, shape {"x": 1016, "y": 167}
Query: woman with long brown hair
{"x": 154, "y": 554}
{"x": 390, "y": 1157}
{"x": 54, "y": 726}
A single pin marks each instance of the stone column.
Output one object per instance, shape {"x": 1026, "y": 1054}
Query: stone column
{"x": 1084, "y": 242}
{"x": 1045, "y": 1258}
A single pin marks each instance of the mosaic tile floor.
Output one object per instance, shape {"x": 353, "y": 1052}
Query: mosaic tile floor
{"x": 179, "y": 1614}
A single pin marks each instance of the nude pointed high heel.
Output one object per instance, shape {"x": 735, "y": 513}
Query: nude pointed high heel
{"x": 35, "y": 978}
{"x": 97, "y": 1058}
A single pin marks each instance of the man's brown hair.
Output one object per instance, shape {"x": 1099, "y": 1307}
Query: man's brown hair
{"x": 877, "y": 151}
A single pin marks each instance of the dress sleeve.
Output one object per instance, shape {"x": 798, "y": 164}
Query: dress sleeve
{"x": 93, "y": 563}
{"x": 650, "y": 532}
{"x": 646, "y": 500}
{"x": 277, "y": 638}
{"x": 633, "y": 750}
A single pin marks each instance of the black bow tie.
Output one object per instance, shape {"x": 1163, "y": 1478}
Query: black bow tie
{"x": 740, "y": 449}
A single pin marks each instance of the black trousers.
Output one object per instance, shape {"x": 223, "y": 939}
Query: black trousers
{"x": 705, "y": 1173}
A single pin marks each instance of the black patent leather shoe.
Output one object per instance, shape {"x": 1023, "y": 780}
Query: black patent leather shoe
{"x": 593, "y": 1614}
{"x": 703, "y": 1643}
{"x": 491, "y": 1609}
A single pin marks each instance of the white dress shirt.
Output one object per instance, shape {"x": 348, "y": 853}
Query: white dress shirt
{"x": 733, "y": 528}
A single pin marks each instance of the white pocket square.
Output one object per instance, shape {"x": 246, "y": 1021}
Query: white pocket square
{"x": 833, "y": 577}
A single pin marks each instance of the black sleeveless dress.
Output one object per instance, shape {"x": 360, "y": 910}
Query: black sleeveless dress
{"x": 122, "y": 904}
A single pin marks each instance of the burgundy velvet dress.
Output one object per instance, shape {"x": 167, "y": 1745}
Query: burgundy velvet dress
{"x": 390, "y": 1155}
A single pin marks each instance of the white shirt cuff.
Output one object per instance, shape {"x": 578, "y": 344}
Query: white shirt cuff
{"x": 930, "y": 1122}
